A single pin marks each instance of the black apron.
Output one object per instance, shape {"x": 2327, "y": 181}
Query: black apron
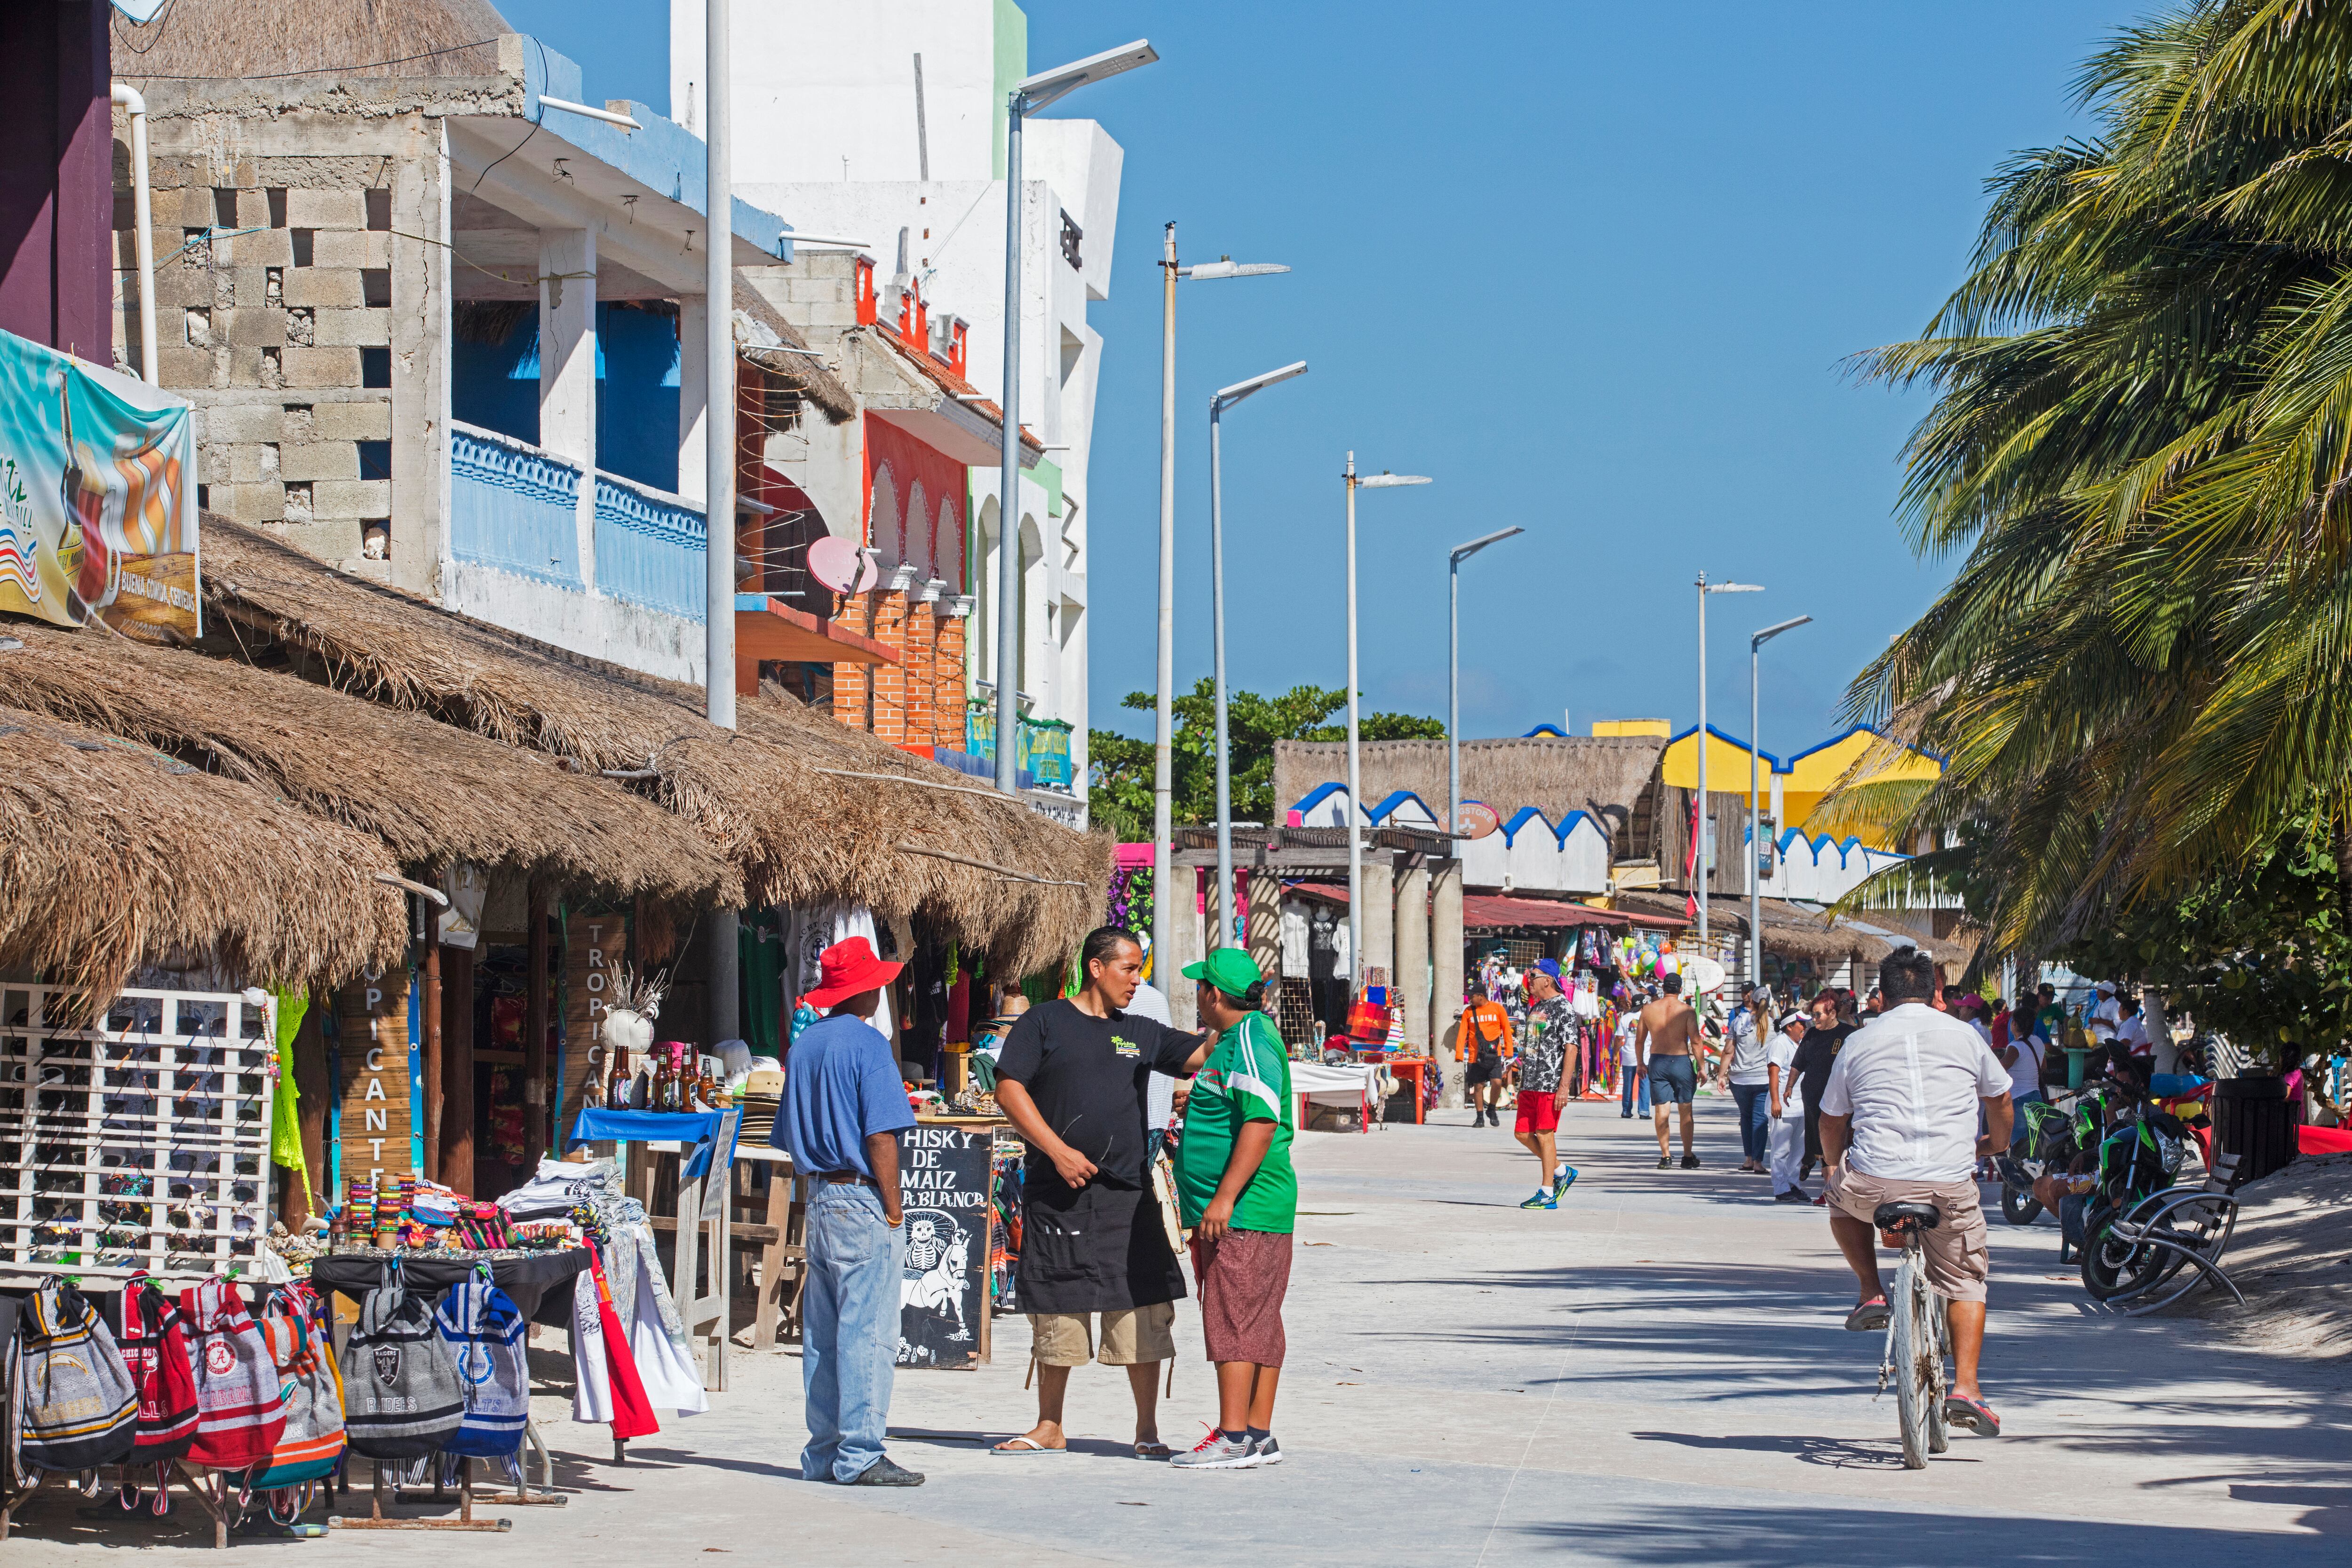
{"x": 1098, "y": 1249}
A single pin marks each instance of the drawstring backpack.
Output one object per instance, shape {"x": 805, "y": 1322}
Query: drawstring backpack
{"x": 155, "y": 1345}
{"x": 402, "y": 1399}
{"x": 79, "y": 1404}
{"x": 240, "y": 1407}
{"x": 484, "y": 1332}
{"x": 313, "y": 1441}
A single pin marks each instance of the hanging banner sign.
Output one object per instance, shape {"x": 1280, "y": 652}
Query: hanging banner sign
{"x": 98, "y": 498}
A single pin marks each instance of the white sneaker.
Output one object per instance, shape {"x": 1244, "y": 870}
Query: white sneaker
{"x": 1218, "y": 1452}
{"x": 1269, "y": 1452}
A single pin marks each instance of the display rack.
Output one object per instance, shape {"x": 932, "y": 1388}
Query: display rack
{"x": 137, "y": 1142}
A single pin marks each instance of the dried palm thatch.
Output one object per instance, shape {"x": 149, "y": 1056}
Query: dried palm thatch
{"x": 113, "y": 855}
{"x": 230, "y": 40}
{"x": 434, "y": 796}
{"x": 763, "y": 335}
{"x": 1601, "y": 776}
{"x": 1789, "y": 929}
{"x": 801, "y": 837}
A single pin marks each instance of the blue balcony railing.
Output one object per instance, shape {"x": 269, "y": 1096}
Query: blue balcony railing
{"x": 511, "y": 506}
{"x": 650, "y": 549}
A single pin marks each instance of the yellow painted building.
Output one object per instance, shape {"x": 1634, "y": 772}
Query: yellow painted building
{"x": 1796, "y": 788}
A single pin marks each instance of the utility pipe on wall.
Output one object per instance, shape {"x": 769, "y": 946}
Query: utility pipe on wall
{"x": 142, "y": 204}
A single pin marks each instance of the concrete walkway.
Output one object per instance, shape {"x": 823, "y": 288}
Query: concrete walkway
{"x": 1653, "y": 1374}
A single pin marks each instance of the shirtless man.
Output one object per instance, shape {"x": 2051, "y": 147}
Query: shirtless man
{"x": 1666, "y": 1035}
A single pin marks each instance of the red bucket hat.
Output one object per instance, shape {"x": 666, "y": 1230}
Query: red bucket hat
{"x": 850, "y": 967}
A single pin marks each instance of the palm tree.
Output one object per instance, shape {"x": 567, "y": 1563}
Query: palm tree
{"x": 2143, "y": 443}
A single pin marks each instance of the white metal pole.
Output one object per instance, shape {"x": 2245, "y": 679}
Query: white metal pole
{"x": 142, "y": 211}
{"x": 1008, "y": 487}
{"x": 718, "y": 470}
{"x": 1355, "y": 777}
{"x": 1698, "y": 849}
{"x": 1163, "y": 725}
{"x": 1224, "y": 901}
{"x": 1454, "y": 694}
{"x": 1755, "y": 817}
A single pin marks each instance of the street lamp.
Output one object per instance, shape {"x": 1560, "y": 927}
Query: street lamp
{"x": 1223, "y": 400}
{"x": 1755, "y": 797}
{"x": 1027, "y": 97}
{"x": 1454, "y": 671}
{"x": 1701, "y": 861}
{"x": 1381, "y": 481}
{"x": 1163, "y": 871}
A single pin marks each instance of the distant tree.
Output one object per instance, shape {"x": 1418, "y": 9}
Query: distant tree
{"x": 1119, "y": 766}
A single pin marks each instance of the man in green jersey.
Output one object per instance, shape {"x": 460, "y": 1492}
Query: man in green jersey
{"x": 1240, "y": 1197}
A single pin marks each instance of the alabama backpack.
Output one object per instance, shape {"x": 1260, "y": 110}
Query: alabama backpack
{"x": 240, "y": 1406}
{"x": 79, "y": 1406}
{"x": 154, "y": 1347}
{"x": 484, "y": 1332}
{"x": 401, "y": 1397}
{"x": 295, "y": 1331}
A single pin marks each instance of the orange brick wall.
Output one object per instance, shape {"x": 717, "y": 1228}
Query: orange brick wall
{"x": 917, "y": 701}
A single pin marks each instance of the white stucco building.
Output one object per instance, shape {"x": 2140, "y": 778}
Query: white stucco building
{"x": 869, "y": 122}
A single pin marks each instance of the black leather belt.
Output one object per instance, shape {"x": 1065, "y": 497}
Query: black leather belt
{"x": 844, "y": 1178}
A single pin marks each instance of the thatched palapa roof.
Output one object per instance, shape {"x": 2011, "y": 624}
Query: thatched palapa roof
{"x": 1789, "y": 928}
{"x": 235, "y": 39}
{"x": 801, "y": 837}
{"x": 1601, "y": 776}
{"x": 113, "y": 855}
{"x": 433, "y": 795}
{"x": 764, "y": 337}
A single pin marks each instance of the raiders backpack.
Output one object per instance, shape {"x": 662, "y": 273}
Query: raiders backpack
{"x": 313, "y": 1440}
{"x": 155, "y": 1345}
{"x": 240, "y": 1406}
{"x": 484, "y": 1332}
{"x": 79, "y": 1406}
{"x": 401, "y": 1396}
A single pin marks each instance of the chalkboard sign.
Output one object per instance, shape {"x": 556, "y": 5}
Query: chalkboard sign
{"x": 943, "y": 1177}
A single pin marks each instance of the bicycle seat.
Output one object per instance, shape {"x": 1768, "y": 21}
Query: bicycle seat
{"x": 1905, "y": 1216}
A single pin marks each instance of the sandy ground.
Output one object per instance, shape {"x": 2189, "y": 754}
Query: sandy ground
{"x": 1654, "y": 1374}
{"x": 2291, "y": 1256}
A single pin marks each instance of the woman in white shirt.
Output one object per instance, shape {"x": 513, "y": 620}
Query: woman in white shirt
{"x": 1786, "y": 1093}
{"x": 1743, "y": 1067}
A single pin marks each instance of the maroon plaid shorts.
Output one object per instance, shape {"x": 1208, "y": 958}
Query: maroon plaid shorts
{"x": 1243, "y": 1280}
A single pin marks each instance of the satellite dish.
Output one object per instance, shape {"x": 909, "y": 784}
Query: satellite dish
{"x": 1477, "y": 820}
{"x": 842, "y": 566}
{"x": 1703, "y": 974}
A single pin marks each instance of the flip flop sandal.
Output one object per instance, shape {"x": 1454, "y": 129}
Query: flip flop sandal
{"x": 1974, "y": 1415}
{"x": 1022, "y": 1449}
{"x": 1152, "y": 1451}
{"x": 1869, "y": 1317}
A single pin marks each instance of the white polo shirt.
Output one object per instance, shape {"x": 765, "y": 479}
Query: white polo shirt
{"x": 1911, "y": 1079}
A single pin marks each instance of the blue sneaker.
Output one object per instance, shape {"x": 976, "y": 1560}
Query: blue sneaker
{"x": 1542, "y": 1199}
{"x": 1562, "y": 1179}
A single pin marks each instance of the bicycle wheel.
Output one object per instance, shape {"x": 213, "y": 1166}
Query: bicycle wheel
{"x": 1914, "y": 1349}
{"x": 2019, "y": 1205}
{"x": 1939, "y": 1438}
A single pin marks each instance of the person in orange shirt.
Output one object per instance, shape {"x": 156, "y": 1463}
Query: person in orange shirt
{"x": 1482, "y": 1041}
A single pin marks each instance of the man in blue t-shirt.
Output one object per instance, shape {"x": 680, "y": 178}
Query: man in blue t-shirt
{"x": 844, "y": 1108}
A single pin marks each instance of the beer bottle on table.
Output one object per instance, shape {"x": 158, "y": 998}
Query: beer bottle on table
{"x": 616, "y": 1088}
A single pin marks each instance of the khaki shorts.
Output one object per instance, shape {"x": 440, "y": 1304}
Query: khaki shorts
{"x": 1134, "y": 1337}
{"x": 1958, "y": 1263}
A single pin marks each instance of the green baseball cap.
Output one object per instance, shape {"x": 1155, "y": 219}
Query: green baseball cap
{"x": 1231, "y": 969}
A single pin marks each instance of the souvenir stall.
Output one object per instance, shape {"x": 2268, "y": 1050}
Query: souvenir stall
{"x": 1608, "y": 957}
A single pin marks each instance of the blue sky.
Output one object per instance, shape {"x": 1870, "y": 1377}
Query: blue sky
{"x": 1595, "y": 269}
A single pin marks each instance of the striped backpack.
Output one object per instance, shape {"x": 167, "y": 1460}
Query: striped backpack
{"x": 313, "y": 1440}
{"x": 484, "y": 1332}
{"x": 79, "y": 1404}
{"x": 154, "y": 1347}
{"x": 240, "y": 1406}
{"x": 402, "y": 1398}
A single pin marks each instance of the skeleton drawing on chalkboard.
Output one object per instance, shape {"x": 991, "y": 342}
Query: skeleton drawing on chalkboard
{"x": 939, "y": 1253}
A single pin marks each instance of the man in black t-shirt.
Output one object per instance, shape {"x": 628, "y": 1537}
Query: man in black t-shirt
{"x": 1823, "y": 1039}
{"x": 1073, "y": 1078}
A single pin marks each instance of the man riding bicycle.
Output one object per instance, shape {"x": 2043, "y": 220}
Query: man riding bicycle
{"x": 1899, "y": 1125}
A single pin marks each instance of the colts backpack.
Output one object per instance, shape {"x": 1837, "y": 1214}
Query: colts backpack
{"x": 484, "y": 1332}
{"x": 240, "y": 1406}
{"x": 79, "y": 1405}
{"x": 154, "y": 1347}
{"x": 313, "y": 1440}
{"x": 402, "y": 1399}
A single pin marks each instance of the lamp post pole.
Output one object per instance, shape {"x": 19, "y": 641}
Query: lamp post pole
{"x": 718, "y": 461}
{"x": 1701, "y": 863}
{"x": 1226, "y": 398}
{"x": 1355, "y": 769}
{"x": 1755, "y": 795}
{"x": 1454, "y": 671}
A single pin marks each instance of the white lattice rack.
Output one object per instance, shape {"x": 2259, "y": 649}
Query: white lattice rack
{"x": 138, "y": 1143}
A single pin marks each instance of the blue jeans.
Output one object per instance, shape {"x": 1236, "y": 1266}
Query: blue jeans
{"x": 1632, "y": 1083}
{"x": 849, "y": 1330}
{"x": 1755, "y": 1103}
